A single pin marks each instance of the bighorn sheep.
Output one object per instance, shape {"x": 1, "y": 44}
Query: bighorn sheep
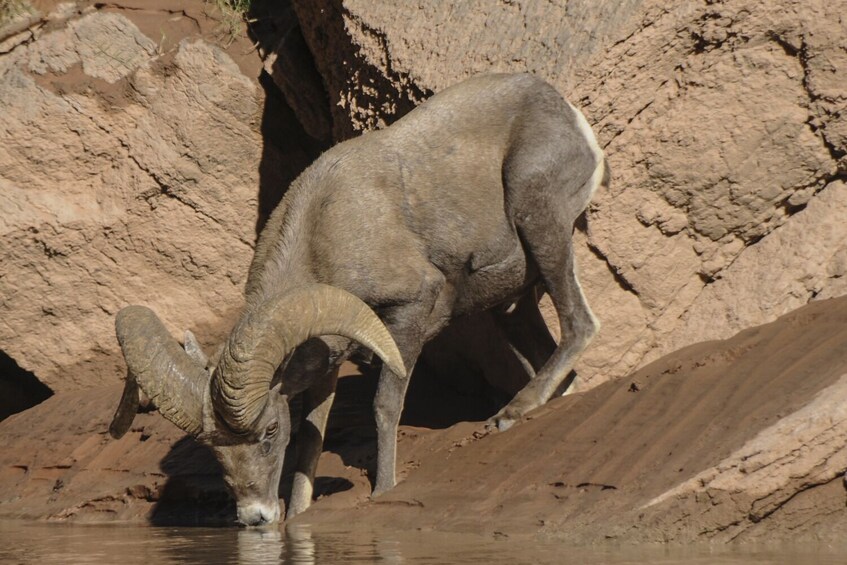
{"x": 467, "y": 203}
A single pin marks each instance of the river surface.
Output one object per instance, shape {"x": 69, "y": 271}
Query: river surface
{"x": 22, "y": 542}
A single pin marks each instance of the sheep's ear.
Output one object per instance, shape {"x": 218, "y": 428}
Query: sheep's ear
{"x": 192, "y": 347}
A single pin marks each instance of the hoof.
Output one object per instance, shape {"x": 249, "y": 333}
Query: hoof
{"x": 504, "y": 424}
{"x": 380, "y": 490}
{"x": 502, "y": 421}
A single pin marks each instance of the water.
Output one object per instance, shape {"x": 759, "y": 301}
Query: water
{"x": 60, "y": 543}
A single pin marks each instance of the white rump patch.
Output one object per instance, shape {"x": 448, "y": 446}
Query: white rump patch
{"x": 591, "y": 139}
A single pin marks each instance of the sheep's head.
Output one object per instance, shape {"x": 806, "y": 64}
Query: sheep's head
{"x": 237, "y": 407}
{"x": 252, "y": 461}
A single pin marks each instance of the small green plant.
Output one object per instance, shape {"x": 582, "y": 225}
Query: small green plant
{"x": 233, "y": 14}
{"x": 240, "y": 6}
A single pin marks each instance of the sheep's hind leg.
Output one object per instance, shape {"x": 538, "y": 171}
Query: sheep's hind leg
{"x": 526, "y": 332}
{"x": 578, "y": 325}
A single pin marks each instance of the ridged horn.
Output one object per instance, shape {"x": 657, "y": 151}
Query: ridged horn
{"x": 127, "y": 408}
{"x": 265, "y": 336}
{"x": 158, "y": 366}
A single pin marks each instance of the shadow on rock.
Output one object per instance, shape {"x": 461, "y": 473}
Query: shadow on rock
{"x": 295, "y": 123}
{"x": 195, "y": 493}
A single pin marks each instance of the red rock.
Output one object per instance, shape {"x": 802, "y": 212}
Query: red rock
{"x": 738, "y": 439}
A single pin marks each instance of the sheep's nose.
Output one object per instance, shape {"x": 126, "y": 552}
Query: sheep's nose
{"x": 257, "y": 514}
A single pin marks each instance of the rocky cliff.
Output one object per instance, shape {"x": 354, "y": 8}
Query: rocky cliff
{"x": 133, "y": 169}
{"x": 141, "y": 153}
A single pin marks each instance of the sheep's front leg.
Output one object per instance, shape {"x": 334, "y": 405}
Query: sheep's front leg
{"x": 318, "y": 402}
{"x": 411, "y": 325}
{"x": 388, "y": 405}
{"x": 387, "y": 408}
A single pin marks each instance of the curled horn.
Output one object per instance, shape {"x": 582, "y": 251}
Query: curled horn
{"x": 158, "y": 366}
{"x": 264, "y": 337}
{"x": 127, "y": 408}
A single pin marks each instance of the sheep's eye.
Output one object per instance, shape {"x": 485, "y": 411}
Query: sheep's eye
{"x": 271, "y": 430}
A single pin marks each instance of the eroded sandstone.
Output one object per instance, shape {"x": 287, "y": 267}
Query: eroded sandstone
{"x": 722, "y": 122}
{"x": 129, "y": 167}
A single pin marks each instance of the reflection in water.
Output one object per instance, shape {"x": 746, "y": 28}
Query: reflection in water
{"x": 270, "y": 545}
{"x": 300, "y": 547}
{"x": 389, "y": 551}
{"x": 22, "y": 542}
{"x": 260, "y": 546}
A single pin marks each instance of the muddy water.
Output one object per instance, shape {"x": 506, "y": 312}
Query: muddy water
{"x": 48, "y": 543}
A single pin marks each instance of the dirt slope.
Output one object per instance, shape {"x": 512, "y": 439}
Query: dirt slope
{"x": 739, "y": 439}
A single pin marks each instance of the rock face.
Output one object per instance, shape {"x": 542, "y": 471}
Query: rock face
{"x": 743, "y": 439}
{"x": 140, "y": 172}
{"x": 129, "y": 167}
{"x": 723, "y": 122}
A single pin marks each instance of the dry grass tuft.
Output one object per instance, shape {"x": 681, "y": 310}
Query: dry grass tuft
{"x": 232, "y": 14}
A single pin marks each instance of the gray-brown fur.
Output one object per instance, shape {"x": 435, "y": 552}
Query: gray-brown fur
{"x": 466, "y": 204}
